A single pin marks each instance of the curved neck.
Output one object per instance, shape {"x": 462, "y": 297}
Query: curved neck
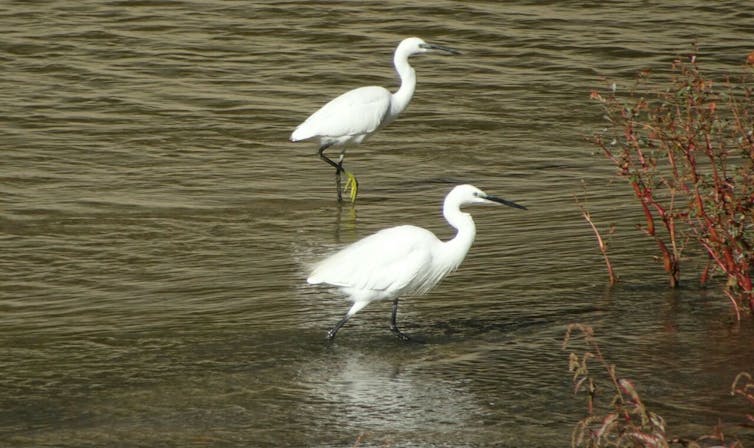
{"x": 402, "y": 97}
{"x": 459, "y": 246}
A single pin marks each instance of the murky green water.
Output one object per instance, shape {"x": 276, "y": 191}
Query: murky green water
{"x": 156, "y": 225}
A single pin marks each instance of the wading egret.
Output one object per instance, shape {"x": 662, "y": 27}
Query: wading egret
{"x": 403, "y": 260}
{"x": 356, "y": 114}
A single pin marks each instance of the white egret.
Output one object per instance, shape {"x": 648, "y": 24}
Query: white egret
{"x": 403, "y": 260}
{"x": 356, "y": 114}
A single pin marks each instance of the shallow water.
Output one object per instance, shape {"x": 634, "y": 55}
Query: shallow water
{"x": 157, "y": 225}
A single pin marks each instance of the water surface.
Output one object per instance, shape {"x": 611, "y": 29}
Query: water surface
{"x": 157, "y": 226}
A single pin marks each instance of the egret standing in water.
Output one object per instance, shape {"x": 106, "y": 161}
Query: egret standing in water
{"x": 355, "y": 115}
{"x": 403, "y": 260}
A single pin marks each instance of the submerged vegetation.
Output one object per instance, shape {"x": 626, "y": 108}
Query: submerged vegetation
{"x": 685, "y": 145}
{"x": 616, "y": 416}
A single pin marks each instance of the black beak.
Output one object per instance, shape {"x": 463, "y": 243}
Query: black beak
{"x": 440, "y": 48}
{"x": 505, "y": 202}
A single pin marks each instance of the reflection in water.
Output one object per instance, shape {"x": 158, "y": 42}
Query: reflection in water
{"x": 345, "y": 222}
{"x": 371, "y": 391}
{"x": 157, "y": 225}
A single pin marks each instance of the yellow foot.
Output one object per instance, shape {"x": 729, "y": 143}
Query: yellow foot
{"x": 351, "y": 184}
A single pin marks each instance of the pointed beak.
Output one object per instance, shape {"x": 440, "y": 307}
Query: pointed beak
{"x": 440, "y": 48}
{"x": 505, "y": 202}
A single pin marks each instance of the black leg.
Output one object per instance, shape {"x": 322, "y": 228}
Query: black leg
{"x": 394, "y": 325}
{"x": 331, "y": 334}
{"x": 338, "y": 168}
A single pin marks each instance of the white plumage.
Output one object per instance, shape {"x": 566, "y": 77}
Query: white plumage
{"x": 403, "y": 260}
{"x": 349, "y": 118}
{"x": 355, "y": 115}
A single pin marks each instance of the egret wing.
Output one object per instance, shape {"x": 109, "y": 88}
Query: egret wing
{"x": 357, "y": 112}
{"x": 389, "y": 260}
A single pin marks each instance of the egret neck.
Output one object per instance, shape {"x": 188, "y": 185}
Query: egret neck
{"x": 458, "y": 247}
{"x": 402, "y": 97}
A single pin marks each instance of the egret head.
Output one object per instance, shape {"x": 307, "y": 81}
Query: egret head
{"x": 469, "y": 194}
{"x": 415, "y": 45}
